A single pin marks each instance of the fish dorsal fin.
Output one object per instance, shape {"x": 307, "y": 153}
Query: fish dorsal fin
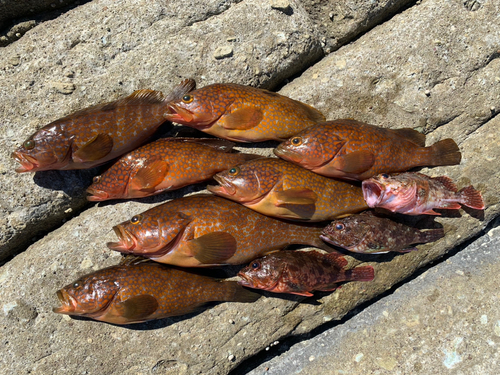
{"x": 412, "y": 135}
{"x": 312, "y": 112}
{"x": 130, "y": 260}
{"x": 138, "y": 97}
{"x": 243, "y": 119}
{"x": 213, "y": 248}
{"x": 151, "y": 174}
{"x": 182, "y": 88}
{"x": 138, "y": 308}
{"x": 216, "y": 143}
{"x": 336, "y": 259}
{"x": 354, "y": 162}
{"x": 447, "y": 183}
{"x": 96, "y": 148}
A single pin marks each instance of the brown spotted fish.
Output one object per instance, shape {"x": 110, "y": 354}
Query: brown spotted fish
{"x": 367, "y": 233}
{"x": 301, "y": 272}
{"x": 416, "y": 194}
{"x": 350, "y": 149}
{"x": 242, "y": 113}
{"x": 275, "y": 187}
{"x": 95, "y": 135}
{"x": 139, "y": 292}
{"x": 204, "y": 230}
{"x": 164, "y": 165}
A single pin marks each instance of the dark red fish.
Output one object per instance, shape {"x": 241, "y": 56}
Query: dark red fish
{"x": 301, "y": 272}
{"x": 350, "y": 149}
{"x": 203, "y": 230}
{"x": 95, "y": 135}
{"x": 242, "y": 113}
{"x": 164, "y": 165}
{"x": 367, "y": 233}
{"x": 134, "y": 293}
{"x": 415, "y": 194}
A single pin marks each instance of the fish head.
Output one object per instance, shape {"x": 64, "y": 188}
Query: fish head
{"x": 198, "y": 108}
{"x": 89, "y": 296}
{"x": 264, "y": 273}
{"x": 45, "y": 150}
{"x": 149, "y": 234}
{"x": 311, "y": 148}
{"x": 346, "y": 233}
{"x": 246, "y": 183}
{"x": 391, "y": 192}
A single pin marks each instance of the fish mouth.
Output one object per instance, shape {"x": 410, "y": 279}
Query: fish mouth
{"x": 224, "y": 188}
{"x": 177, "y": 114}
{"x": 68, "y": 303}
{"x": 245, "y": 280}
{"x": 373, "y": 192}
{"x": 287, "y": 154}
{"x": 28, "y": 163}
{"x": 127, "y": 242}
{"x": 97, "y": 195}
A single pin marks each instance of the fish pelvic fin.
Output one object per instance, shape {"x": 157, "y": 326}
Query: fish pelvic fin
{"x": 96, "y": 148}
{"x": 471, "y": 197}
{"x": 213, "y": 248}
{"x": 444, "y": 152}
{"x": 365, "y": 273}
{"x": 234, "y": 292}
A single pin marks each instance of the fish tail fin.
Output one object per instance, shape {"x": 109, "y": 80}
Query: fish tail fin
{"x": 365, "y": 273}
{"x": 234, "y": 292}
{"x": 444, "y": 152}
{"x": 431, "y": 235}
{"x": 471, "y": 197}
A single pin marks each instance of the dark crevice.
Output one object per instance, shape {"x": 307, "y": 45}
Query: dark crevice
{"x": 288, "y": 342}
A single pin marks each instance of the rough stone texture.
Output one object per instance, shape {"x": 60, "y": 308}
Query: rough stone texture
{"x": 444, "y": 321}
{"x": 447, "y": 88}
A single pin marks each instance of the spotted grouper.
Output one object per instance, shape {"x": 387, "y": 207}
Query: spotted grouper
{"x": 205, "y": 230}
{"x": 350, "y": 149}
{"x": 164, "y": 165}
{"x": 281, "y": 189}
{"x": 135, "y": 293}
{"x": 301, "y": 272}
{"x": 242, "y": 113}
{"x": 95, "y": 135}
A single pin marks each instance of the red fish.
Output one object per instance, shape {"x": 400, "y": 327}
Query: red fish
{"x": 242, "y": 113}
{"x": 350, "y": 149}
{"x": 301, "y": 272}
{"x": 415, "y": 194}
{"x": 135, "y": 293}
{"x": 367, "y": 233}
{"x": 204, "y": 230}
{"x": 164, "y": 165}
{"x": 95, "y": 135}
{"x": 275, "y": 187}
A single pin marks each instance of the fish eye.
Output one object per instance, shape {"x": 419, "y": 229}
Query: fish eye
{"x": 234, "y": 171}
{"x": 29, "y": 144}
{"x": 339, "y": 226}
{"x": 96, "y": 179}
{"x": 76, "y": 284}
{"x": 255, "y": 265}
{"x": 187, "y": 98}
{"x": 385, "y": 175}
{"x": 136, "y": 219}
{"x": 296, "y": 141}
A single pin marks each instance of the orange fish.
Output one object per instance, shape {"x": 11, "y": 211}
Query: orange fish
{"x": 135, "y": 293}
{"x": 95, "y": 135}
{"x": 204, "y": 230}
{"x": 163, "y": 165}
{"x": 350, "y": 149}
{"x": 242, "y": 113}
{"x": 275, "y": 187}
{"x": 301, "y": 272}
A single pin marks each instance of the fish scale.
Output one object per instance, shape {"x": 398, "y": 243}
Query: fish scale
{"x": 205, "y": 227}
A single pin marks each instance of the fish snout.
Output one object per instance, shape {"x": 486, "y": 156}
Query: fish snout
{"x": 27, "y": 162}
{"x": 372, "y": 192}
{"x": 245, "y": 280}
{"x": 126, "y": 240}
{"x": 177, "y": 114}
{"x": 287, "y": 154}
{"x": 225, "y": 188}
{"x": 97, "y": 195}
{"x": 68, "y": 303}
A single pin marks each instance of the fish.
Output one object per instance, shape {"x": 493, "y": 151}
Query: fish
{"x": 277, "y": 188}
{"x": 138, "y": 292}
{"x": 349, "y": 149}
{"x": 369, "y": 233}
{"x": 415, "y": 194}
{"x": 242, "y": 113}
{"x": 164, "y": 165}
{"x": 95, "y": 135}
{"x": 301, "y": 272}
{"x": 205, "y": 230}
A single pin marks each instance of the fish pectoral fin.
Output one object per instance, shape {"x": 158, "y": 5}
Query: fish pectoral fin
{"x": 301, "y": 202}
{"x": 354, "y": 162}
{"x": 151, "y": 174}
{"x": 138, "y": 308}
{"x": 213, "y": 248}
{"x": 411, "y": 135}
{"x": 95, "y": 149}
{"x": 243, "y": 119}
